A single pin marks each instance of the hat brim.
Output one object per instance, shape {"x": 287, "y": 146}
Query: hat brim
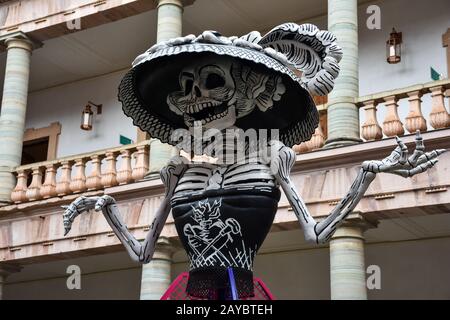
{"x": 144, "y": 89}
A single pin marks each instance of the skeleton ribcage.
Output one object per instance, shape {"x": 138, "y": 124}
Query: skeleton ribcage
{"x": 206, "y": 176}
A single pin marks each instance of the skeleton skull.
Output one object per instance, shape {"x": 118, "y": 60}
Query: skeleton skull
{"x": 219, "y": 90}
{"x": 207, "y": 89}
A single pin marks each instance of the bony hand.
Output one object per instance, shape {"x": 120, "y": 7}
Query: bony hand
{"x": 83, "y": 204}
{"x": 400, "y": 163}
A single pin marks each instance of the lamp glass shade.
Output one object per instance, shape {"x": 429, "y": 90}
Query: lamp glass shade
{"x": 86, "y": 118}
{"x": 394, "y": 47}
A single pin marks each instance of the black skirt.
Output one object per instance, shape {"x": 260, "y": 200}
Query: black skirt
{"x": 221, "y": 229}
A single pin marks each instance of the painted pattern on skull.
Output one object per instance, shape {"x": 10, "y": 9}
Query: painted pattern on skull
{"x": 219, "y": 91}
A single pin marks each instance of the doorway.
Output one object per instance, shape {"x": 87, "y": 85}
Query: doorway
{"x": 35, "y": 150}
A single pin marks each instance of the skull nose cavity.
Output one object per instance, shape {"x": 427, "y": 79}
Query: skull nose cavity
{"x": 197, "y": 91}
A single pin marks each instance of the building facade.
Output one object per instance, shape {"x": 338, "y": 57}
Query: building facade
{"x": 57, "y": 56}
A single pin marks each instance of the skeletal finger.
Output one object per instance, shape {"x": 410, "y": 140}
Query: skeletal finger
{"x": 419, "y": 141}
{"x": 394, "y": 156}
{"x": 428, "y": 156}
{"x": 67, "y": 229}
{"x": 70, "y": 213}
{"x": 74, "y": 209}
{"x": 418, "y": 169}
{"x": 67, "y": 221}
{"x": 397, "y": 153}
{"x": 418, "y": 151}
{"x": 403, "y": 151}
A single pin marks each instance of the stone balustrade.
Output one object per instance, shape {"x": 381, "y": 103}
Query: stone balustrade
{"x": 69, "y": 175}
{"x": 80, "y": 173}
{"x": 438, "y": 116}
{"x": 317, "y": 140}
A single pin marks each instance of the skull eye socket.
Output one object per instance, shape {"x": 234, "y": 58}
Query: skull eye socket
{"x": 214, "y": 80}
{"x": 186, "y": 82}
{"x": 188, "y": 86}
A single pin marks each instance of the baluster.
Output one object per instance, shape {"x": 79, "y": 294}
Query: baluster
{"x": 300, "y": 148}
{"x": 19, "y": 193}
{"x": 414, "y": 120}
{"x": 371, "y": 130}
{"x": 109, "y": 177}
{"x": 78, "y": 183}
{"x": 392, "y": 126}
{"x": 439, "y": 117}
{"x": 63, "y": 185}
{"x": 141, "y": 167}
{"x": 317, "y": 140}
{"x": 48, "y": 189}
{"x": 124, "y": 174}
{"x": 94, "y": 180}
{"x": 33, "y": 191}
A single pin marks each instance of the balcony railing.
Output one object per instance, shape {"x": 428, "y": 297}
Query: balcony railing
{"x": 438, "y": 117}
{"x": 127, "y": 164}
{"x": 108, "y": 168}
{"x": 409, "y": 97}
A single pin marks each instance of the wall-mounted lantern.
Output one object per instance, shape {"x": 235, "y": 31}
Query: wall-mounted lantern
{"x": 87, "y": 115}
{"x": 394, "y": 47}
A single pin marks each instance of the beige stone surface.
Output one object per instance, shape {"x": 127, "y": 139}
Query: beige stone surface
{"x": 34, "y": 231}
{"x": 47, "y": 19}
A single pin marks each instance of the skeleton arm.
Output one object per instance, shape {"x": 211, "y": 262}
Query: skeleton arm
{"x": 139, "y": 252}
{"x": 397, "y": 163}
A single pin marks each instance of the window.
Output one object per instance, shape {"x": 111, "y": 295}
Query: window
{"x": 40, "y": 144}
{"x": 35, "y": 150}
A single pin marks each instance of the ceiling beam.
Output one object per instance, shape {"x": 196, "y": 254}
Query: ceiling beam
{"x": 46, "y": 19}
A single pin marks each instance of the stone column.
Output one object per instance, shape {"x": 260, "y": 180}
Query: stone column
{"x": 170, "y": 14}
{"x": 347, "y": 266}
{"x": 343, "y": 115}
{"x": 446, "y": 44}
{"x": 5, "y": 271}
{"x": 13, "y": 110}
{"x": 156, "y": 275}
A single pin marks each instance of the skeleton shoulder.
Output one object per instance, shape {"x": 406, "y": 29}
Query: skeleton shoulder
{"x": 173, "y": 171}
{"x": 281, "y": 157}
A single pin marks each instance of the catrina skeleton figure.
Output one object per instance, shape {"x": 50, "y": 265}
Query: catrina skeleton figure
{"x": 224, "y": 210}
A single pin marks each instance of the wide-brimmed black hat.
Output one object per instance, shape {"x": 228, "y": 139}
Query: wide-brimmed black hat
{"x": 283, "y": 51}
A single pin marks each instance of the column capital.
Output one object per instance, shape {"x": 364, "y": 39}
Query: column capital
{"x": 179, "y": 3}
{"x": 20, "y": 40}
{"x": 354, "y": 226}
{"x": 165, "y": 248}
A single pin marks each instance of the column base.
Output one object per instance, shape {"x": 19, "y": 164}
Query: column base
{"x": 151, "y": 176}
{"x": 5, "y": 271}
{"x": 347, "y": 262}
{"x": 159, "y": 156}
{"x": 156, "y": 275}
{"x": 341, "y": 142}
